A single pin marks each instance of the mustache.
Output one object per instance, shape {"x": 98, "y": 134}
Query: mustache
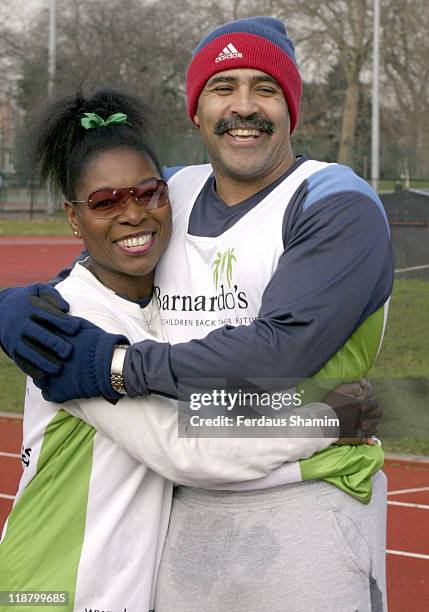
{"x": 255, "y": 122}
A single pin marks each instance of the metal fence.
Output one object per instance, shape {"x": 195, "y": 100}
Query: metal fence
{"x": 24, "y": 200}
{"x": 389, "y": 185}
{"x": 35, "y": 200}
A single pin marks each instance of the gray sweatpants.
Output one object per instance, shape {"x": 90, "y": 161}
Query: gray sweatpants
{"x": 306, "y": 547}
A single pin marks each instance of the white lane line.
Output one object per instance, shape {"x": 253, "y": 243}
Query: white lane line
{"x": 12, "y": 415}
{"x": 4, "y": 496}
{"x": 402, "y": 553}
{"x": 13, "y": 455}
{"x": 404, "y": 491}
{"x": 407, "y": 505}
{"x": 399, "y": 270}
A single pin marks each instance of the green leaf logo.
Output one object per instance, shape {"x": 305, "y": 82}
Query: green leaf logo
{"x": 223, "y": 263}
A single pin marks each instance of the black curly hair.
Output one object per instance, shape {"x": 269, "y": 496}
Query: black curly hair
{"x": 62, "y": 147}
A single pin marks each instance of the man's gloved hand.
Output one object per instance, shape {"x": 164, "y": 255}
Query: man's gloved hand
{"x": 29, "y": 317}
{"x": 357, "y": 410}
{"x": 86, "y": 372}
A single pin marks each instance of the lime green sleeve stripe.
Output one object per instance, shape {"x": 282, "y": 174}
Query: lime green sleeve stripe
{"x": 352, "y": 362}
{"x": 348, "y": 467}
{"x": 43, "y": 543}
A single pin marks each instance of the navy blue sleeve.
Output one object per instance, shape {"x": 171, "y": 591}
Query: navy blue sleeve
{"x": 336, "y": 269}
{"x": 5, "y": 292}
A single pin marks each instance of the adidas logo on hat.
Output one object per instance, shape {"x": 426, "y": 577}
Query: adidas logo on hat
{"x": 228, "y": 52}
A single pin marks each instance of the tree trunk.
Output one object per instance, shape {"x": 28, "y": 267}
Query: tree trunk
{"x": 348, "y": 123}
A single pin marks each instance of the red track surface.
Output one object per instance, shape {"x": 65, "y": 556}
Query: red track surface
{"x": 407, "y": 532}
{"x": 29, "y": 259}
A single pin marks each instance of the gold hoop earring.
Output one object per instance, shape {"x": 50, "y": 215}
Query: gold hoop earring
{"x": 77, "y": 234}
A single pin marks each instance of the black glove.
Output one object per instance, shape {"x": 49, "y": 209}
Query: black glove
{"x": 357, "y": 410}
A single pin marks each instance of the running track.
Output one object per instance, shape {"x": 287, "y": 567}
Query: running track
{"x": 33, "y": 258}
{"x": 25, "y": 260}
{"x": 408, "y": 518}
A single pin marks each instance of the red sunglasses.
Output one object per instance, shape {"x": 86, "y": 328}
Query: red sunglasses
{"x": 104, "y": 203}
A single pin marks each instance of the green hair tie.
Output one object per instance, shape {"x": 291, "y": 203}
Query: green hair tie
{"x": 92, "y": 120}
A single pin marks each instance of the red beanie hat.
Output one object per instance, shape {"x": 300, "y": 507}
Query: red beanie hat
{"x": 261, "y": 43}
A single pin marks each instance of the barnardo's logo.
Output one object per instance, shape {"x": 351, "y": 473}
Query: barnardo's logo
{"x": 229, "y": 52}
{"x": 222, "y": 267}
{"x": 227, "y": 294}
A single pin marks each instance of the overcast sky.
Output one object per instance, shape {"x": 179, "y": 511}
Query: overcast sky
{"x": 36, "y": 3}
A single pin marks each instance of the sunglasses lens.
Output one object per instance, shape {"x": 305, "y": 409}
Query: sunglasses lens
{"x": 105, "y": 202}
{"x": 152, "y": 194}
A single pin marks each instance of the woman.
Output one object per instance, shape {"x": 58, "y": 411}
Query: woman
{"x": 91, "y": 515}
{"x": 74, "y": 526}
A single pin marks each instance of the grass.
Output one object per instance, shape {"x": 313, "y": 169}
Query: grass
{"x": 405, "y": 351}
{"x": 400, "y": 377}
{"x": 55, "y": 225}
{"x": 401, "y": 374}
{"x": 12, "y": 386}
{"x": 405, "y": 424}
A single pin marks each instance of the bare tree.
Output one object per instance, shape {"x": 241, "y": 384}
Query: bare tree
{"x": 330, "y": 33}
{"x": 138, "y": 46}
{"x": 406, "y": 59}
{"x": 144, "y": 47}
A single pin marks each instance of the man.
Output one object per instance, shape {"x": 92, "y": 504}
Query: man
{"x": 292, "y": 258}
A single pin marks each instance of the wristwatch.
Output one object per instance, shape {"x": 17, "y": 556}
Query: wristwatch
{"x": 116, "y": 368}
